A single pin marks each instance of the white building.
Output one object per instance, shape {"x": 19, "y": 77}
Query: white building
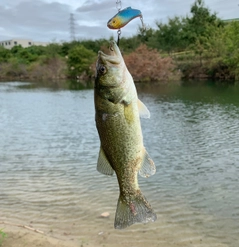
{"x": 9, "y": 44}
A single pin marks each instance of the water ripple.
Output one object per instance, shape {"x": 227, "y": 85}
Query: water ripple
{"x": 48, "y": 152}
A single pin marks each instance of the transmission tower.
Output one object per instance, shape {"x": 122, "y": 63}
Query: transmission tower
{"x": 72, "y": 27}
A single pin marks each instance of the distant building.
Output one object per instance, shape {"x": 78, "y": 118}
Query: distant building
{"x": 9, "y": 44}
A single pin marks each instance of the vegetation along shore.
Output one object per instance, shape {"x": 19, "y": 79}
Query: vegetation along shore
{"x": 199, "y": 45}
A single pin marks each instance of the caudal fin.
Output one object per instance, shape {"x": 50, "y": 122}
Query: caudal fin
{"x": 138, "y": 210}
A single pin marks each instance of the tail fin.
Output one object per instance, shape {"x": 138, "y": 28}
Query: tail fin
{"x": 138, "y": 210}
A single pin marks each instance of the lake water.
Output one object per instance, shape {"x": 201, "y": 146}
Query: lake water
{"x": 48, "y": 152}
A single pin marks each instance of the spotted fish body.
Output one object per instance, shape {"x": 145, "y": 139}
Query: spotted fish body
{"x": 123, "y": 17}
{"x": 122, "y": 151}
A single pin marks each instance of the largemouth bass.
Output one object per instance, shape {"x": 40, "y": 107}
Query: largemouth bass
{"x": 117, "y": 112}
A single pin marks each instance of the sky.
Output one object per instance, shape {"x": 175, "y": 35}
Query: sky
{"x": 49, "y": 20}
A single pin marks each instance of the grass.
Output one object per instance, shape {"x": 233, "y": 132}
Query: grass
{"x": 3, "y": 235}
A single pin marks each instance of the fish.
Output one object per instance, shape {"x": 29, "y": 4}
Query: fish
{"x": 122, "y": 152}
{"x": 123, "y": 17}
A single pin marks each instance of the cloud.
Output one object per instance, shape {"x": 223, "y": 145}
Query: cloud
{"x": 45, "y": 20}
{"x": 95, "y": 6}
{"x": 31, "y": 19}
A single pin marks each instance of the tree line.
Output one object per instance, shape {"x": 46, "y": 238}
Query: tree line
{"x": 199, "y": 44}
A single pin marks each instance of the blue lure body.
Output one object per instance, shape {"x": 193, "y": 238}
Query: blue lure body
{"x": 123, "y": 17}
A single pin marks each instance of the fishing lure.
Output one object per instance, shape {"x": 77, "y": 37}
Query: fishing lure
{"x": 123, "y": 17}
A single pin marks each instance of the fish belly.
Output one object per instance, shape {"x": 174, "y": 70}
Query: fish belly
{"x": 120, "y": 135}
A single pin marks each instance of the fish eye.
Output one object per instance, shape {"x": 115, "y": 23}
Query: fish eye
{"x": 114, "y": 21}
{"x": 102, "y": 69}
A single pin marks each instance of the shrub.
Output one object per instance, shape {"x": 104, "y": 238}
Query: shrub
{"x": 146, "y": 64}
{"x": 14, "y": 68}
{"x": 48, "y": 68}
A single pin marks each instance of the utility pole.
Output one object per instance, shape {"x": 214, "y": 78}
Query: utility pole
{"x": 72, "y": 27}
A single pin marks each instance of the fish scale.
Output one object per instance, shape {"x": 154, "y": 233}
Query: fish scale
{"x": 120, "y": 145}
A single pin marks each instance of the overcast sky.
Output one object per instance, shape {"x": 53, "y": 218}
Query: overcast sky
{"x": 48, "y": 20}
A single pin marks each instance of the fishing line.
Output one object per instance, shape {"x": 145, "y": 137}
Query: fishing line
{"x": 118, "y": 7}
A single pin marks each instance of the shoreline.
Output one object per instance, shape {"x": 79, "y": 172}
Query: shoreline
{"x": 17, "y": 236}
{"x": 24, "y": 236}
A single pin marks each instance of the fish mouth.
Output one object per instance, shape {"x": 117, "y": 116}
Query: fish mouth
{"x": 114, "y": 57}
{"x": 109, "y": 24}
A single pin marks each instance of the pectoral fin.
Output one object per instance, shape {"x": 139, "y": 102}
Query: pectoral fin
{"x": 147, "y": 166}
{"x": 143, "y": 110}
{"x": 103, "y": 165}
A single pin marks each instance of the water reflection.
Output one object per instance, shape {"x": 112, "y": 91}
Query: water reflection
{"x": 49, "y": 147}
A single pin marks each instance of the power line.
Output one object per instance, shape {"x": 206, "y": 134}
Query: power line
{"x": 72, "y": 27}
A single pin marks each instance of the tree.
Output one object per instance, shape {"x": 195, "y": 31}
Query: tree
{"x": 67, "y": 46}
{"x": 232, "y": 45}
{"x": 16, "y": 49}
{"x": 94, "y": 45}
{"x": 128, "y": 45}
{"x": 168, "y": 37}
{"x": 145, "y": 34}
{"x": 53, "y": 50}
{"x": 198, "y": 25}
{"x": 38, "y": 50}
{"x": 79, "y": 61}
{"x": 5, "y": 54}
{"x": 199, "y": 28}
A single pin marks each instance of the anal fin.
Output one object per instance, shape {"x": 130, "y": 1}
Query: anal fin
{"x": 147, "y": 166}
{"x": 103, "y": 165}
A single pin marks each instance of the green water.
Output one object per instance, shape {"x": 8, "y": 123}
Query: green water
{"x": 49, "y": 147}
